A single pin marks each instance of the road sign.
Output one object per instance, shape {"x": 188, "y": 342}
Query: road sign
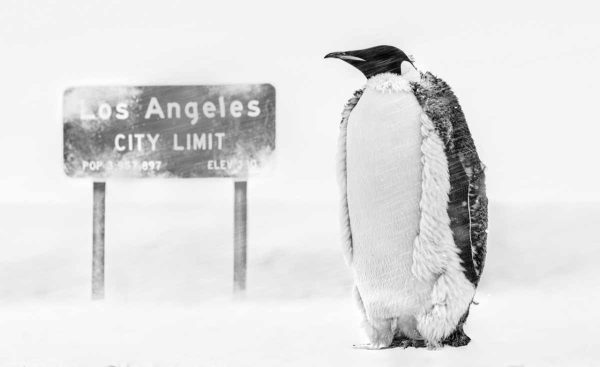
{"x": 171, "y": 132}
{"x": 168, "y": 131}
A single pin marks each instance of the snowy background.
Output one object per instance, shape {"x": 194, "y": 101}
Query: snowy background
{"x": 525, "y": 72}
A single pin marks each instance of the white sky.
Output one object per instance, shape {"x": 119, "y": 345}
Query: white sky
{"x": 526, "y": 75}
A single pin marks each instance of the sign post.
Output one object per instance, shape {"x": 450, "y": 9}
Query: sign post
{"x": 168, "y": 132}
{"x": 98, "y": 240}
{"x": 240, "y": 210}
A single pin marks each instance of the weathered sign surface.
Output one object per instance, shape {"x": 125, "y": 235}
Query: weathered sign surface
{"x": 168, "y": 131}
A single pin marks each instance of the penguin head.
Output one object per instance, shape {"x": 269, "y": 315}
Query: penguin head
{"x": 376, "y": 60}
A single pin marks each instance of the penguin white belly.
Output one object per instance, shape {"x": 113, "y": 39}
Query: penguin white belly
{"x": 384, "y": 183}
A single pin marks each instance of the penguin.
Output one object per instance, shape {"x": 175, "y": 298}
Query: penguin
{"x": 413, "y": 203}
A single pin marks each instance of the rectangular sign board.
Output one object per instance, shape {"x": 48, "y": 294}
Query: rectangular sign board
{"x": 168, "y": 131}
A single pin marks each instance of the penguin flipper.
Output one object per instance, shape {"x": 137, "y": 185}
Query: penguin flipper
{"x": 467, "y": 204}
{"x": 479, "y": 220}
{"x": 341, "y": 174}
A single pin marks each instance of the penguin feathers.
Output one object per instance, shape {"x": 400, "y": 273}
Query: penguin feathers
{"x": 346, "y": 231}
{"x": 451, "y": 246}
{"x": 467, "y": 204}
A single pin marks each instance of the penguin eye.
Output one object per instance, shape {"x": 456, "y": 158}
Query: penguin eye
{"x": 349, "y": 57}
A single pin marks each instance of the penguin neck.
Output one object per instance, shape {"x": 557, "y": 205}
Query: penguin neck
{"x": 392, "y": 82}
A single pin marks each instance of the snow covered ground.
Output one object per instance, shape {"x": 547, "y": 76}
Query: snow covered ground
{"x": 169, "y": 299}
{"x": 511, "y": 328}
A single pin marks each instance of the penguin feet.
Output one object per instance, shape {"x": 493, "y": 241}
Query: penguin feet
{"x": 379, "y": 332}
{"x": 458, "y": 338}
{"x": 404, "y": 342}
{"x": 370, "y": 346}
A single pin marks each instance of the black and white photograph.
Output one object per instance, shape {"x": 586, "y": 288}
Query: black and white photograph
{"x": 260, "y": 183}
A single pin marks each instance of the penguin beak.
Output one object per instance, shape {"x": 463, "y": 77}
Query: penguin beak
{"x": 346, "y": 56}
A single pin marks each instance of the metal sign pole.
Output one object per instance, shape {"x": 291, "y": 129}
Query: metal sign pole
{"x": 240, "y": 217}
{"x": 98, "y": 240}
